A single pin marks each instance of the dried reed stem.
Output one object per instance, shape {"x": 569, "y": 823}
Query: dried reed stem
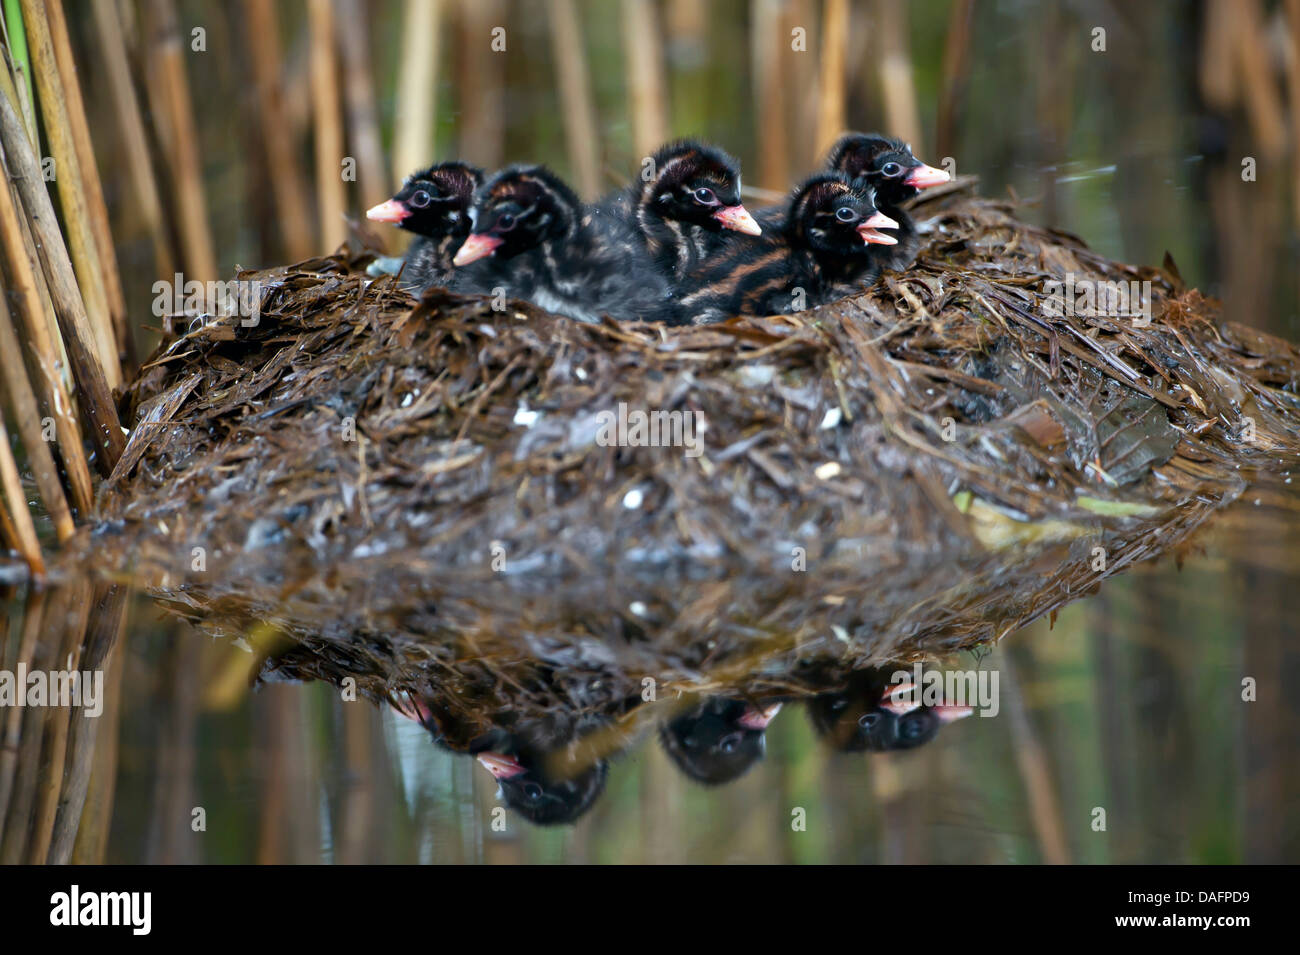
{"x": 55, "y": 113}
{"x": 576, "y": 104}
{"x": 94, "y": 397}
{"x": 359, "y": 99}
{"x": 33, "y": 617}
{"x": 72, "y": 628}
{"x": 131, "y": 129}
{"x": 169, "y": 94}
{"x": 328, "y": 125}
{"x": 417, "y": 78}
{"x": 20, "y": 531}
{"x": 94, "y": 189}
{"x": 643, "y": 47}
{"x": 26, "y": 410}
{"x": 283, "y": 173}
{"x": 897, "y": 83}
{"x": 482, "y": 85}
{"x": 771, "y": 122}
{"x": 835, "y": 41}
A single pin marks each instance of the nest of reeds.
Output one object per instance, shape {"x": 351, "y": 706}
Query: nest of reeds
{"x": 919, "y": 469}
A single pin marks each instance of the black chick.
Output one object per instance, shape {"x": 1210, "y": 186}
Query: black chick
{"x": 433, "y": 203}
{"x": 533, "y": 764}
{"x": 888, "y": 166}
{"x": 822, "y": 251}
{"x": 719, "y": 740}
{"x": 536, "y": 784}
{"x": 686, "y": 198}
{"x": 533, "y": 239}
{"x": 873, "y": 714}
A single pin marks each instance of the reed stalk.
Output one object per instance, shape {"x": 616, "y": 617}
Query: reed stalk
{"x": 283, "y": 172}
{"x": 173, "y": 109}
{"x": 328, "y": 126}
{"x": 956, "y": 75}
{"x": 94, "y": 397}
{"x": 897, "y": 80}
{"x": 19, "y": 529}
{"x": 834, "y": 44}
{"x": 71, "y": 626}
{"x": 353, "y": 38}
{"x": 417, "y": 79}
{"x": 643, "y": 47}
{"x": 1293, "y": 100}
{"x": 11, "y": 735}
{"x": 107, "y": 615}
{"x": 576, "y": 102}
{"x": 19, "y": 61}
{"x": 27, "y": 415}
{"x": 482, "y": 85}
{"x": 771, "y": 55}
{"x": 135, "y": 141}
{"x": 57, "y": 121}
{"x": 89, "y": 170}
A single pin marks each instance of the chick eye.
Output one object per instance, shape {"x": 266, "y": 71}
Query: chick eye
{"x": 891, "y": 170}
{"x": 868, "y": 720}
{"x": 729, "y": 743}
{"x": 421, "y": 199}
{"x": 533, "y": 791}
{"x": 505, "y": 223}
{"x": 705, "y": 197}
{"x": 845, "y": 214}
{"x": 911, "y": 729}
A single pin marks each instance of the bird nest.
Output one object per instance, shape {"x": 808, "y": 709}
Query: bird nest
{"x": 424, "y": 488}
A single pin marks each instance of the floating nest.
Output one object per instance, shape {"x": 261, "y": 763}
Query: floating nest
{"x": 417, "y": 491}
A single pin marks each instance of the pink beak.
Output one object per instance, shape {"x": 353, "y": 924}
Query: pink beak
{"x": 738, "y": 219}
{"x": 900, "y": 698}
{"x": 870, "y": 235}
{"x": 390, "y": 211}
{"x": 947, "y": 714}
{"x": 757, "y": 719}
{"x": 413, "y": 708}
{"x": 923, "y": 176}
{"x": 500, "y": 766}
{"x": 477, "y": 246}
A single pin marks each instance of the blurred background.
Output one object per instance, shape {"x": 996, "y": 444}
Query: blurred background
{"x": 246, "y": 134}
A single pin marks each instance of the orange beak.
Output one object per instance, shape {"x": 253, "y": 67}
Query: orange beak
{"x": 477, "y": 246}
{"x": 870, "y": 235}
{"x": 923, "y": 176}
{"x": 390, "y": 211}
{"x": 738, "y": 219}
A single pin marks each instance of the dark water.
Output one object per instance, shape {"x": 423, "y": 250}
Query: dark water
{"x": 1131, "y": 704}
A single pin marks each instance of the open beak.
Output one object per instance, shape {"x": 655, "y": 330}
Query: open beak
{"x": 500, "y": 766}
{"x": 413, "y": 708}
{"x": 948, "y": 714}
{"x": 870, "y": 234}
{"x": 390, "y": 211}
{"x": 900, "y": 698}
{"x": 477, "y": 246}
{"x": 738, "y": 219}
{"x": 756, "y": 718}
{"x": 923, "y": 176}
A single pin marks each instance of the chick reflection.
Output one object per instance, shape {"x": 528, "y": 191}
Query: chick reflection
{"x": 872, "y": 714}
{"x": 543, "y": 772}
{"x": 719, "y": 740}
